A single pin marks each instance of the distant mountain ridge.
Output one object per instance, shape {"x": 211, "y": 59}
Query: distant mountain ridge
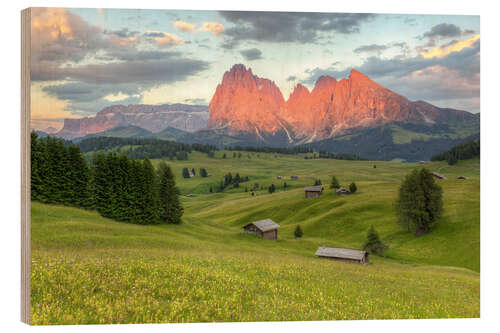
{"x": 153, "y": 118}
{"x": 245, "y": 104}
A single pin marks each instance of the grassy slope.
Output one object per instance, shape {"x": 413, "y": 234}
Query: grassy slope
{"x": 88, "y": 269}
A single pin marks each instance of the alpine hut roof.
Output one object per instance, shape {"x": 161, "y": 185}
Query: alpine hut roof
{"x": 438, "y": 175}
{"x": 342, "y": 190}
{"x": 338, "y": 252}
{"x": 265, "y": 225}
{"x": 317, "y": 188}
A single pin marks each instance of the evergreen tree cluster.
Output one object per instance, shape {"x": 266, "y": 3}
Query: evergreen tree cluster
{"x": 137, "y": 148}
{"x": 59, "y": 173}
{"x": 230, "y": 180}
{"x": 279, "y": 150}
{"x": 465, "y": 151}
{"x": 337, "y": 156}
{"x": 420, "y": 202}
{"x": 116, "y": 186}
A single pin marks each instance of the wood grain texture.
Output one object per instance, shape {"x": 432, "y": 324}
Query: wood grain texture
{"x": 25, "y": 165}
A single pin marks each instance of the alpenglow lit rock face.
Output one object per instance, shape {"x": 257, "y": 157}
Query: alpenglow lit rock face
{"x": 154, "y": 118}
{"x": 246, "y": 104}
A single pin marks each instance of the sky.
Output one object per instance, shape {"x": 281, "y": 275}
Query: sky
{"x": 83, "y": 60}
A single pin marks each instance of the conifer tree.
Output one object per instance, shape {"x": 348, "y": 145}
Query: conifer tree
{"x": 420, "y": 203}
{"x": 334, "y": 183}
{"x": 373, "y": 244}
{"x": 169, "y": 205}
{"x": 185, "y": 172}
{"x": 149, "y": 197}
{"x": 298, "y": 232}
{"x": 353, "y": 188}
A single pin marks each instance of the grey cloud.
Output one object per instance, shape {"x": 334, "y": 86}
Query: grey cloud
{"x": 372, "y": 48}
{"x": 462, "y": 68}
{"x": 291, "y": 78}
{"x": 444, "y": 30}
{"x": 251, "y": 54}
{"x": 86, "y": 98}
{"x": 136, "y": 71}
{"x": 122, "y": 33}
{"x": 289, "y": 26}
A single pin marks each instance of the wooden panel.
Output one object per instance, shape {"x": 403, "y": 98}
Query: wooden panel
{"x": 25, "y": 165}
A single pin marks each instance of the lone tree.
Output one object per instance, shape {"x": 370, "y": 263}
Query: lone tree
{"x": 317, "y": 182}
{"x": 298, "y": 232}
{"x": 373, "y": 244}
{"x": 170, "y": 208}
{"x": 334, "y": 183}
{"x": 272, "y": 188}
{"x": 420, "y": 202}
{"x": 185, "y": 173}
{"x": 353, "y": 188}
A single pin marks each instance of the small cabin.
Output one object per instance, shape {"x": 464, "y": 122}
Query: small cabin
{"x": 462, "y": 177}
{"x": 438, "y": 175}
{"x": 279, "y": 177}
{"x": 266, "y": 228}
{"x": 341, "y": 254}
{"x": 342, "y": 190}
{"x": 313, "y": 191}
{"x": 294, "y": 177}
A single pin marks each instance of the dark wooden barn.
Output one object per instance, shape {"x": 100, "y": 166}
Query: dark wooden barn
{"x": 294, "y": 177}
{"x": 341, "y": 254}
{"x": 267, "y": 229}
{"x": 313, "y": 191}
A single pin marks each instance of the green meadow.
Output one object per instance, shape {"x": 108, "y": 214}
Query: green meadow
{"x": 87, "y": 269}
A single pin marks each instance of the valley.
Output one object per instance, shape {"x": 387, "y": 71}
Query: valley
{"x": 89, "y": 269}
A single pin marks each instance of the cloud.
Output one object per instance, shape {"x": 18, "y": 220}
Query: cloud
{"x": 60, "y": 36}
{"x": 183, "y": 26}
{"x": 163, "y": 39}
{"x": 213, "y": 27}
{"x": 123, "y": 37}
{"x": 137, "y": 71}
{"x": 251, "y": 54}
{"x": 454, "y": 46}
{"x": 372, "y": 48}
{"x": 291, "y": 78}
{"x": 196, "y": 101}
{"x": 446, "y": 79}
{"x": 289, "y": 26}
{"x": 443, "y": 30}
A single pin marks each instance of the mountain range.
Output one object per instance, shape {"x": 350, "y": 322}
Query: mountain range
{"x": 154, "y": 118}
{"x": 350, "y": 115}
{"x": 247, "y": 104}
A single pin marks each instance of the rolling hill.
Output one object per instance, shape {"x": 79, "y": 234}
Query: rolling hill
{"x": 88, "y": 269}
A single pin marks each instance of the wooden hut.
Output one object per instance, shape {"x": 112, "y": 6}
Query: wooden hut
{"x": 462, "y": 177}
{"x": 294, "y": 177}
{"x": 341, "y": 254}
{"x": 313, "y": 191}
{"x": 438, "y": 175}
{"x": 342, "y": 190}
{"x": 267, "y": 229}
{"x": 278, "y": 177}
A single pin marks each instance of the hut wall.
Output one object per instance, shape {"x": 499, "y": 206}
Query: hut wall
{"x": 345, "y": 260}
{"x": 271, "y": 234}
{"x": 312, "y": 194}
